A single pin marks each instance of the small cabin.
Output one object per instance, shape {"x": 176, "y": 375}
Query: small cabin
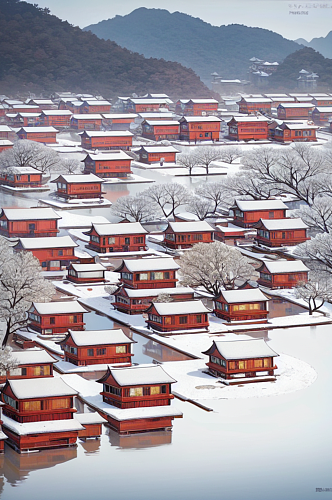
{"x": 137, "y": 301}
{"x": 281, "y": 232}
{"x": 124, "y": 237}
{"x": 95, "y": 347}
{"x": 112, "y": 139}
{"x": 53, "y": 252}
{"x": 56, "y": 118}
{"x": 295, "y": 132}
{"x": 248, "y": 128}
{"x": 248, "y": 105}
{"x": 5, "y": 144}
{"x": 78, "y": 186}
{"x": 144, "y": 105}
{"x": 242, "y": 361}
{"x": 186, "y": 234}
{"x": 242, "y": 305}
{"x": 148, "y": 273}
{"x": 21, "y": 177}
{"x": 323, "y": 101}
{"x": 31, "y": 363}
{"x": 19, "y": 120}
{"x": 51, "y": 318}
{"x": 25, "y": 108}
{"x": 199, "y": 107}
{"x": 158, "y": 130}
{"x": 173, "y": 316}
{"x": 42, "y": 103}
{"x": 45, "y": 135}
{"x": 230, "y": 234}
{"x": 28, "y": 222}
{"x": 105, "y": 165}
{"x": 322, "y": 114}
{"x": 200, "y": 128}
{"x": 5, "y": 132}
{"x": 157, "y": 154}
{"x": 246, "y": 213}
{"x": 86, "y": 273}
{"x": 95, "y": 107}
{"x": 119, "y": 121}
{"x": 282, "y": 273}
{"x": 295, "y": 110}
{"x": 86, "y": 121}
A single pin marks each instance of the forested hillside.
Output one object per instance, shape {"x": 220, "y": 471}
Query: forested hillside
{"x": 322, "y": 44}
{"x": 41, "y": 53}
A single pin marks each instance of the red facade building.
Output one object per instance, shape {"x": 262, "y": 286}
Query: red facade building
{"x": 124, "y": 237}
{"x": 173, "y": 316}
{"x": 105, "y": 165}
{"x": 196, "y": 107}
{"x": 242, "y": 305}
{"x": 45, "y": 135}
{"x": 78, "y": 186}
{"x": 86, "y": 273}
{"x": 28, "y": 222}
{"x": 248, "y": 128}
{"x": 281, "y": 232}
{"x": 282, "y": 273}
{"x": 122, "y": 139}
{"x": 247, "y": 212}
{"x": 86, "y": 121}
{"x": 158, "y": 130}
{"x": 96, "y": 106}
{"x": 248, "y": 105}
{"x": 148, "y": 273}
{"x": 156, "y": 154}
{"x": 295, "y": 110}
{"x": 31, "y": 363}
{"x": 295, "y": 132}
{"x": 204, "y": 128}
{"x": 21, "y": 177}
{"x": 52, "y": 318}
{"x": 186, "y": 234}
{"x": 144, "y": 105}
{"x": 56, "y": 118}
{"x": 322, "y": 114}
{"x": 119, "y": 121}
{"x": 52, "y": 252}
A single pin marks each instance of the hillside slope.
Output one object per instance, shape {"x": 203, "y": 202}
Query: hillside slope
{"x": 193, "y": 42}
{"x": 41, "y": 53}
{"x": 321, "y": 44}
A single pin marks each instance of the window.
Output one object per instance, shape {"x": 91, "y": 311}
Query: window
{"x": 183, "y": 320}
{"x": 32, "y": 406}
{"x": 112, "y": 390}
{"x": 154, "y": 390}
{"x": 120, "y": 349}
{"x": 198, "y": 318}
{"x": 16, "y": 372}
{"x": 60, "y": 403}
{"x": 138, "y": 239}
{"x": 60, "y": 253}
{"x": 166, "y": 275}
{"x": 127, "y": 276}
{"x": 101, "y": 352}
{"x": 143, "y": 276}
{"x": 73, "y": 319}
{"x": 24, "y": 372}
{"x": 52, "y": 320}
{"x": 111, "y": 240}
{"x": 95, "y": 239}
{"x": 135, "y": 392}
{"x": 258, "y": 363}
{"x": 157, "y": 276}
{"x": 271, "y": 215}
{"x": 91, "y": 352}
{"x": 163, "y": 389}
{"x": 127, "y": 241}
{"x": 10, "y": 401}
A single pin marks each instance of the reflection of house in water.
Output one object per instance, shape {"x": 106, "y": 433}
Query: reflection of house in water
{"x": 91, "y": 446}
{"x": 162, "y": 353}
{"x": 139, "y": 441}
{"x": 279, "y": 308}
{"x": 16, "y": 467}
{"x": 2, "y": 479}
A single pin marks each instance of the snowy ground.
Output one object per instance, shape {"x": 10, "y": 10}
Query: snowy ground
{"x": 74, "y": 204}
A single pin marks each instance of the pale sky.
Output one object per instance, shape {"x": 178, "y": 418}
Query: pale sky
{"x": 293, "y": 18}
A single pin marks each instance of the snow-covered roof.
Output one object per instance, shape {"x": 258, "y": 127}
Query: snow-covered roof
{"x": 153, "y": 264}
{"x": 43, "y": 427}
{"x": 166, "y": 114}
{"x": 34, "y": 356}
{"x": 24, "y": 170}
{"x": 47, "y": 242}
{"x": 161, "y": 149}
{"x": 87, "y": 267}
{"x": 257, "y": 99}
{"x": 79, "y": 178}
{"x": 108, "y": 133}
{"x": 251, "y": 118}
{"x": 245, "y": 295}
{"x": 99, "y": 337}
{"x": 89, "y": 418}
{"x": 285, "y": 266}
{"x": 154, "y": 292}
{"x": 190, "y": 227}
{"x": 5, "y": 142}
{"x": 29, "y": 213}
{"x": 115, "y": 155}
{"x": 204, "y": 101}
{"x": 5, "y": 128}
{"x": 25, "y": 106}
{"x": 60, "y": 307}
{"x": 300, "y": 126}
{"x": 149, "y": 101}
{"x": 123, "y": 228}
{"x": 323, "y": 109}
{"x": 56, "y": 112}
{"x": 40, "y": 388}
{"x": 194, "y": 119}
{"x": 187, "y": 307}
{"x": 37, "y": 130}
{"x": 118, "y": 116}
{"x": 87, "y": 116}
{"x": 257, "y": 205}
{"x": 141, "y": 375}
{"x": 322, "y": 98}
{"x": 296, "y": 105}
{"x": 93, "y": 102}
{"x": 163, "y": 123}
{"x": 244, "y": 349}
{"x": 280, "y": 224}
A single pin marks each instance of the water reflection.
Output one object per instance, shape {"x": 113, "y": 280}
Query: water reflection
{"x": 90, "y": 446}
{"x": 139, "y": 441}
{"x": 162, "y": 353}
{"x": 279, "y": 307}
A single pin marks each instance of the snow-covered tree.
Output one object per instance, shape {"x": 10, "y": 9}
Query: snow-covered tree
{"x": 188, "y": 160}
{"x": 21, "y": 283}
{"x": 230, "y": 153}
{"x": 71, "y": 166}
{"x": 214, "y": 266}
{"x": 136, "y": 208}
{"x": 7, "y": 360}
{"x": 200, "y": 207}
{"x": 317, "y": 252}
{"x": 318, "y": 216}
{"x": 163, "y": 297}
{"x": 167, "y": 196}
{"x": 316, "y": 290}
{"x": 207, "y": 155}
{"x": 29, "y": 153}
{"x": 216, "y": 193}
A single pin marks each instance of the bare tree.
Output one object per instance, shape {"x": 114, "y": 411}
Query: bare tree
{"x": 318, "y": 216}
{"x": 188, "y": 160}
{"x": 317, "y": 252}
{"x": 7, "y": 360}
{"x": 316, "y": 290}
{"x": 29, "y": 153}
{"x": 136, "y": 208}
{"x": 214, "y": 266}
{"x": 207, "y": 155}
{"x": 230, "y": 153}
{"x": 71, "y": 166}
{"x": 200, "y": 207}
{"x": 167, "y": 196}
{"x": 163, "y": 297}
{"x": 216, "y": 193}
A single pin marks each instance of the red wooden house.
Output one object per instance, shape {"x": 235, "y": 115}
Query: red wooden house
{"x": 19, "y": 120}
{"x": 248, "y": 105}
{"x": 203, "y": 128}
{"x": 113, "y": 139}
{"x": 247, "y": 212}
{"x": 295, "y": 110}
{"x": 156, "y": 154}
{"x": 21, "y": 177}
{"x": 163, "y": 115}
{"x": 199, "y": 107}
{"x": 111, "y": 164}
{"x": 322, "y": 114}
{"x": 86, "y": 273}
{"x": 323, "y": 101}
{"x": 78, "y": 186}
{"x": 282, "y": 273}
{"x": 139, "y": 398}
{"x": 86, "y": 121}
{"x": 5, "y": 132}
{"x": 281, "y": 232}
{"x": 186, "y": 234}
{"x": 124, "y": 237}
{"x": 137, "y": 301}
{"x": 44, "y": 104}
{"x": 119, "y": 121}
{"x": 242, "y": 305}
{"x": 96, "y": 106}
{"x": 52, "y": 252}
{"x": 56, "y": 118}
{"x": 25, "y": 108}
{"x": 148, "y": 273}
{"x": 173, "y": 316}
{"x": 46, "y": 135}
{"x": 248, "y": 128}
{"x": 5, "y": 144}
{"x": 31, "y": 363}
{"x": 295, "y": 132}
{"x": 38, "y": 413}
{"x": 230, "y": 234}
{"x": 95, "y": 347}
{"x": 144, "y": 105}
{"x": 51, "y": 318}
{"x": 2, "y": 434}
{"x": 241, "y": 361}
{"x": 158, "y": 130}
{"x": 28, "y": 222}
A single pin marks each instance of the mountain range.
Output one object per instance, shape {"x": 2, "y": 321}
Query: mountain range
{"x": 321, "y": 44}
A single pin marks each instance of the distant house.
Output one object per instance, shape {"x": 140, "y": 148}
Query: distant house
{"x": 144, "y": 105}
{"x": 282, "y": 273}
{"x": 186, "y": 234}
{"x": 31, "y": 363}
{"x": 5, "y": 144}
{"x": 78, "y": 186}
{"x": 248, "y": 105}
{"x": 86, "y": 273}
{"x": 148, "y": 273}
{"x": 242, "y": 361}
{"x": 199, "y": 107}
{"x": 5, "y": 132}
{"x": 51, "y": 318}
{"x": 19, "y": 120}
{"x": 28, "y": 222}
{"x": 124, "y": 237}
{"x": 119, "y": 121}
{"x": 281, "y": 232}
{"x": 111, "y": 164}
{"x": 56, "y": 118}
{"x": 248, "y": 128}
{"x": 323, "y": 101}
{"x": 25, "y": 108}
{"x": 21, "y": 177}
{"x": 93, "y": 107}
{"x": 204, "y": 128}
{"x": 52, "y": 252}
{"x": 95, "y": 347}
{"x": 86, "y": 121}
{"x": 295, "y": 110}
{"x": 295, "y": 132}
{"x": 230, "y": 234}
{"x": 157, "y": 154}
{"x": 45, "y": 135}
{"x": 44, "y": 104}
{"x": 172, "y": 316}
{"x": 247, "y": 212}
{"x": 121, "y": 139}
{"x": 157, "y": 130}
{"x": 322, "y": 114}
{"x": 241, "y": 305}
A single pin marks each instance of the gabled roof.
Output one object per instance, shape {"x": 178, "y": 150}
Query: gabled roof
{"x": 34, "y": 356}
{"x": 110, "y": 155}
{"x": 87, "y": 116}
{"x": 40, "y": 388}
{"x": 29, "y": 213}
{"x": 56, "y": 112}
{"x": 98, "y": 337}
{"x": 251, "y": 118}
{"x": 138, "y": 375}
{"x": 257, "y": 205}
{"x": 37, "y": 130}
{"x": 243, "y": 296}
{"x": 323, "y": 109}
{"x": 115, "y": 229}
{"x": 148, "y": 264}
{"x": 24, "y": 170}
{"x": 60, "y": 307}
{"x": 242, "y": 349}
{"x": 118, "y": 116}
{"x": 108, "y": 133}
{"x": 161, "y": 149}
{"x": 153, "y": 292}
{"x": 296, "y": 105}
{"x": 164, "y": 123}
{"x": 284, "y": 266}
{"x": 282, "y": 224}
{"x": 79, "y": 179}
{"x": 87, "y": 267}
{"x": 262, "y": 100}
{"x": 93, "y": 102}
{"x": 195, "y": 119}
{"x": 190, "y": 227}
{"x": 174, "y": 308}
{"x": 47, "y": 242}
